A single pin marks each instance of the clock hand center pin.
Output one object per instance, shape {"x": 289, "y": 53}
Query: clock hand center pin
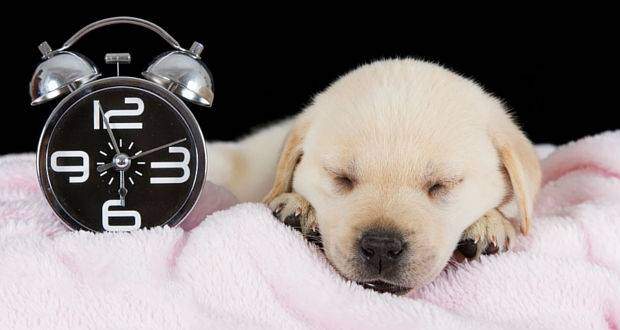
{"x": 108, "y": 166}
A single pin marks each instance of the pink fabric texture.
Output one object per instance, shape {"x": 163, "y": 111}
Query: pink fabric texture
{"x": 240, "y": 268}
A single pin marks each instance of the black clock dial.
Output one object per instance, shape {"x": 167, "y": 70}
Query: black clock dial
{"x": 153, "y": 179}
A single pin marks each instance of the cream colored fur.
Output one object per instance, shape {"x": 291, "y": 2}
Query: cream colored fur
{"x": 398, "y": 127}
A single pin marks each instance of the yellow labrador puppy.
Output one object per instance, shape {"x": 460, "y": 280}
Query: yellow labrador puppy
{"x": 394, "y": 164}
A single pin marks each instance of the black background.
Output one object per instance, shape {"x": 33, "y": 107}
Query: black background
{"x": 268, "y": 62}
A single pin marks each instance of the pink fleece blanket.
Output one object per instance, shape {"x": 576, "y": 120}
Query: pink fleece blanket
{"x": 240, "y": 268}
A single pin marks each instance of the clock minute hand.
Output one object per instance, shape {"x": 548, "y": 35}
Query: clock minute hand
{"x": 150, "y": 151}
{"x": 108, "y": 166}
{"x": 109, "y": 129}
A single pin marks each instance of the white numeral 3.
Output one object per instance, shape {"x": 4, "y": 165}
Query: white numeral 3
{"x": 182, "y": 165}
{"x": 73, "y": 168}
{"x": 106, "y": 214}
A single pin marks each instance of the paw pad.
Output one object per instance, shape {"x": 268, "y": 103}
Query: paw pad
{"x": 468, "y": 248}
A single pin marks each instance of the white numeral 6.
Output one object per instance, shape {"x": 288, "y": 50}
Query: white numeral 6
{"x": 106, "y": 214}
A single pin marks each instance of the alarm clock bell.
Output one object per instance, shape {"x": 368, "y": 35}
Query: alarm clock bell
{"x": 179, "y": 71}
{"x": 60, "y": 74}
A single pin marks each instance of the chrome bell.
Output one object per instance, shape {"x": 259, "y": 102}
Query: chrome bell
{"x": 184, "y": 74}
{"x": 61, "y": 73}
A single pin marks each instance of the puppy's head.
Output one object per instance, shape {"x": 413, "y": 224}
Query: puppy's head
{"x": 398, "y": 158}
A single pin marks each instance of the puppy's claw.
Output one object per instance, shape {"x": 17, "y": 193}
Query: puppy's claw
{"x": 314, "y": 227}
{"x": 277, "y": 210}
{"x": 293, "y": 210}
{"x": 484, "y": 236}
{"x": 293, "y": 221}
{"x": 491, "y": 249}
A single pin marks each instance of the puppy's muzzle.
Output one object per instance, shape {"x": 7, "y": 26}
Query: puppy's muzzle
{"x": 381, "y": 250}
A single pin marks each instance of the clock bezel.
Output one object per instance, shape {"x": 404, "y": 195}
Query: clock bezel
{"x": 131, "y": 82}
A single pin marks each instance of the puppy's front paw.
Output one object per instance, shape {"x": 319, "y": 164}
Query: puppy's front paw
{"x": 490, "y": 234}
{"x": 294, "y": 211}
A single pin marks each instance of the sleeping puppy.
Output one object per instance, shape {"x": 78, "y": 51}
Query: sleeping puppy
{"x": 394, "y": 164}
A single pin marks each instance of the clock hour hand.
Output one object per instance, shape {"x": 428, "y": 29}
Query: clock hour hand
{"x": 109, "y": 129}
{"x": 104, "y": 167}
{"x": 108, "y": 166}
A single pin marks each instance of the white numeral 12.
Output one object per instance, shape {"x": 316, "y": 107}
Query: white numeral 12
{"x": 119, "y": 113}
{"x": 106, "y": 214}
{"x": 72, "y": 168}
{"x": 182, "y": 165}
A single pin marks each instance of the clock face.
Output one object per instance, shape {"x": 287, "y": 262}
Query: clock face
{"x": 149, "y": 173}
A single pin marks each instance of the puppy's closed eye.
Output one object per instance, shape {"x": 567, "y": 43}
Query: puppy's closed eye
{"x": 343, "y": 181}
{"x": 436, "y": 189}
{"x": 441, "y": 188}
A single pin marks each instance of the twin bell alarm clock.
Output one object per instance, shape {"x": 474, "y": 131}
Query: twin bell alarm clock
{"x": 121, "y": 153}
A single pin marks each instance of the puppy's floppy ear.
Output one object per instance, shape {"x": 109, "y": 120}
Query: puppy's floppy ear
{"x": 520, "y": 162}
{"x": 289, "y": 157}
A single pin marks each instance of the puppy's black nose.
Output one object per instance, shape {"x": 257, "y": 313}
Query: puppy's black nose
{"x": 381, "y": 249}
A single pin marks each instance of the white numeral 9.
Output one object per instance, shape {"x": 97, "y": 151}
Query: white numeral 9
{"x": 182, "y": 165}
{"x": 106, "y": 214}
{"x": 119, "y": 113}
{"x": 72, "y": 168}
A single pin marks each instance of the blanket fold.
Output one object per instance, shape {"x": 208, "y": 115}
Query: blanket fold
{"x": 240, "y": 268}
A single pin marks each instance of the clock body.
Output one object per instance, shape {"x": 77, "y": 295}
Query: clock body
{"x": 165, "y": 153}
